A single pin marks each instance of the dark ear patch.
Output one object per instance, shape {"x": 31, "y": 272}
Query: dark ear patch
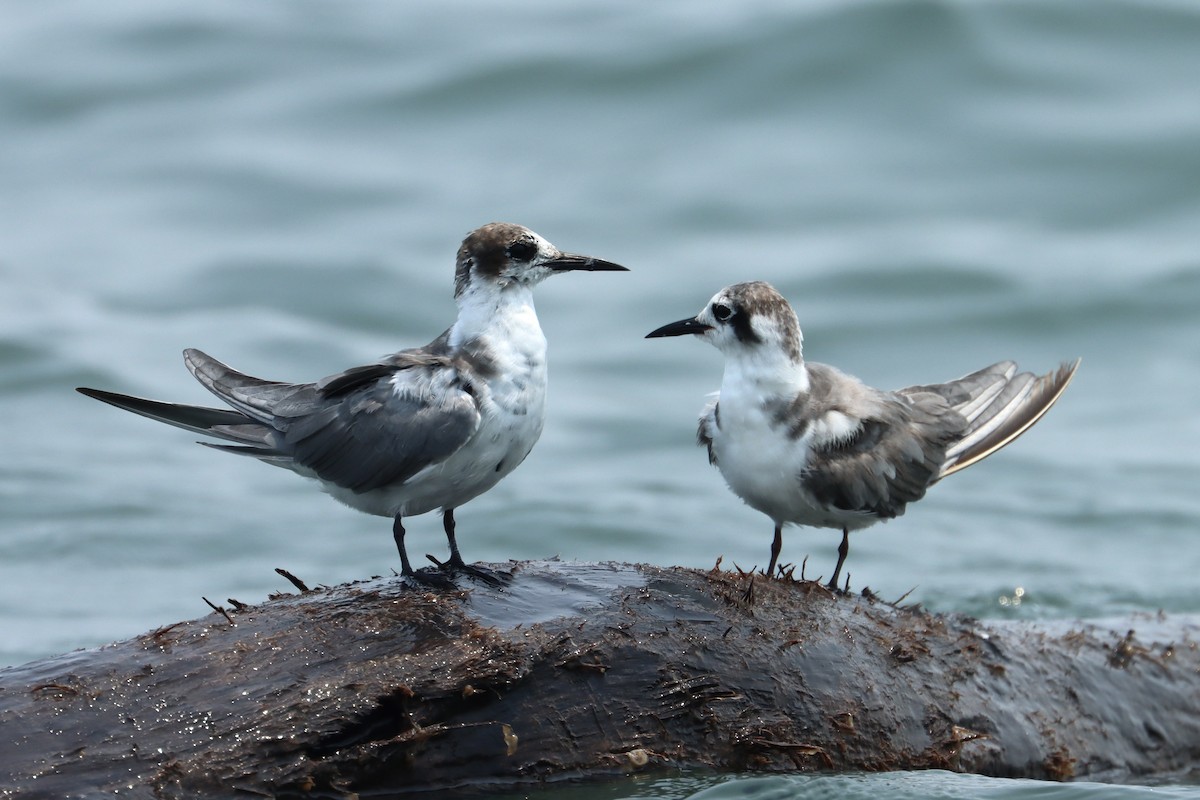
{"x": 489, "y": 258}
{"x": 740, "y": 321}
{"x": 759, "y": 299}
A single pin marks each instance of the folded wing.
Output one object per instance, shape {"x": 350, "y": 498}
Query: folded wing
{"x": 361, "y": 429}
{"x": 906, "y": 441}
{"x": 887, "y": 462}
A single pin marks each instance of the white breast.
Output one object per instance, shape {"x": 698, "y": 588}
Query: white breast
{"x": 759, "y": 461}
{"x": 512, "y": 406}
{"x": 512, "y": 412}
{"x": 764, "y": 464}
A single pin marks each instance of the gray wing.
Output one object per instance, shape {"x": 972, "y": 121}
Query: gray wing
{"x": 889, "y": 460}
{"x": 362, "y": 429}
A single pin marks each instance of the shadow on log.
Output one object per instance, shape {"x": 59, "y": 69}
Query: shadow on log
{"x": 582, "y": 671}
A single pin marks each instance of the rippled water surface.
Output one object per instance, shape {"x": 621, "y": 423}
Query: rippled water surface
{"x": 934, "y": 185}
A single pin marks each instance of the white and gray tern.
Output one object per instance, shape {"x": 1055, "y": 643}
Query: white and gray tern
{"x": 425, "y": 428}
{"x": 807, "y": 444}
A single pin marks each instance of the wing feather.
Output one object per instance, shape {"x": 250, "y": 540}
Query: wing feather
{"x": 362, "y": 429}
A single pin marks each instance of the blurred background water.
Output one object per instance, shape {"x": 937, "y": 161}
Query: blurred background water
{"x": 935, "y": 186}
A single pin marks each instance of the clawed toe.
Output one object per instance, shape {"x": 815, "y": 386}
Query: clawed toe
{"x": 432, "y": 578}
{"x": 455, "y": 565}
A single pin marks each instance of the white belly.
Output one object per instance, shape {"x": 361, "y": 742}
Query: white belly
{"x": 764, "y": 466}
{"x": 512, "y": 412}
{"x": 760, "y": 466}
{"x": 501, "y": 445}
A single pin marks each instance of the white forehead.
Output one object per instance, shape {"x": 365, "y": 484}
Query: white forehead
{"x": 543, "y": 246}
{"x": 720, "y": 297}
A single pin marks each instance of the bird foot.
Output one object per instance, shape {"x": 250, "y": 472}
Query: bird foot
{"x": 455, "y": 565}
{"x": 431, "y": 578}
{"x": 843, "y": 590}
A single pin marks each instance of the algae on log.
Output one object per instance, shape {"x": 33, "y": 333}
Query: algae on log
{"x": 585, "y": 670}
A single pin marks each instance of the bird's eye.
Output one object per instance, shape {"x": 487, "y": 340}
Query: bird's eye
{"x": 722, "y": 312}
{"x": 522, "y": 250}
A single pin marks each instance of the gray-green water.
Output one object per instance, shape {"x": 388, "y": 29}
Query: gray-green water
{"x": 935, "y": 186}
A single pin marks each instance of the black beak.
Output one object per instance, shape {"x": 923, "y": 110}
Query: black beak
{"x": 566, "y": 262}
{"x": 683, "y": 326}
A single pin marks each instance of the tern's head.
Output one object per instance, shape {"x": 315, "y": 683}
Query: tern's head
{"x": 500, "y": 255}
{"x": 745, "y": 319}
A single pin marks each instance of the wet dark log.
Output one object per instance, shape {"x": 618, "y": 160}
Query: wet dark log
{"x": 575, "y": 670}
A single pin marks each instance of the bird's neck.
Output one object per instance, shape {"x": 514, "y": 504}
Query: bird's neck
{"x": 762, "y": 374}
{"x": 504, "y": 318}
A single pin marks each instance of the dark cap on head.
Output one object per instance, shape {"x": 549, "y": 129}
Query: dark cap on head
{"x": 486, "y": 250}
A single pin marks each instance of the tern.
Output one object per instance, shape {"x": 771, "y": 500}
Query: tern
{"x": 807, "y": 444}
{"x": 425, "y": 428}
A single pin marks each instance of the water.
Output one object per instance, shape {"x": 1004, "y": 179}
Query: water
{"x": 934, "y": 185}
{"x": 927, "y": 785}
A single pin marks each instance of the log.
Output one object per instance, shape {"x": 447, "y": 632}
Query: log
{"x": 569, "y": 671}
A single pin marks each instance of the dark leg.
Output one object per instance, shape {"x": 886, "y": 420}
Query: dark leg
{"x": 776, "y": 546}
{"x": 398, "y": 535}
{"x": 448, "y": 524}
{"x": 456, "y": 564}
{"x": 843, "y": 549}
{"x": 434, "y": 580}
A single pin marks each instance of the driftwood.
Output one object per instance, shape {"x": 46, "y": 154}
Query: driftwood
{"x": 581, "y": 671}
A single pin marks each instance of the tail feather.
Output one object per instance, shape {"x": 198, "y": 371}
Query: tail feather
{"x": 219, "y": 422}
{"x": 249, "y": 423}
{"x": 1021, "y": 401}
{"x": 260, "y": 437}
{"x": 265, "y": 454}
